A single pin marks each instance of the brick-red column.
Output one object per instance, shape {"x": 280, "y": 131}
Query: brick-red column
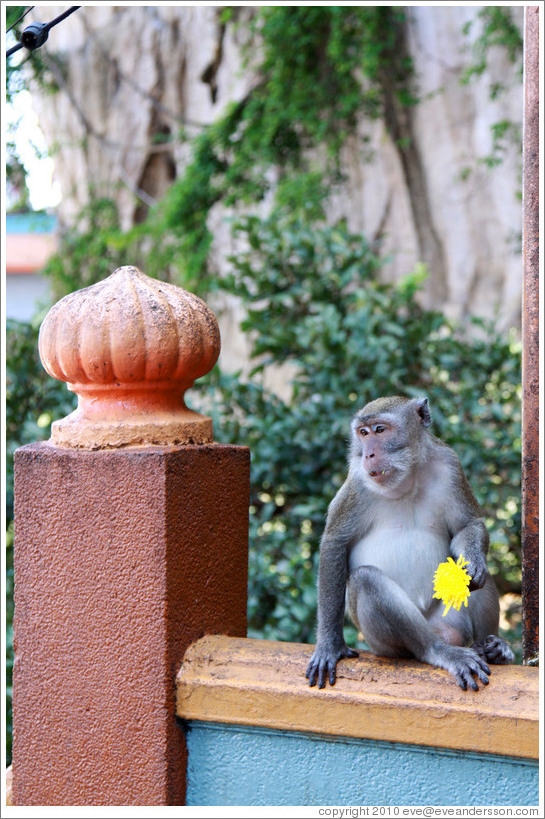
{"x": 530, "y": 338}
{"x": 122, "y": 559}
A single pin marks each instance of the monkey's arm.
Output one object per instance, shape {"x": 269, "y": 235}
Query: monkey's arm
{"x": 470, "y": 537}
{"x": 332, "y": 578}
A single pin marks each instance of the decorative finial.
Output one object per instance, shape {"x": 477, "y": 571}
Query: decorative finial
{"x": 129, "y": 347}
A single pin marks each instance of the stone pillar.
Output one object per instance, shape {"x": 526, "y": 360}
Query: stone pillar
{"x": 131, "y": 537}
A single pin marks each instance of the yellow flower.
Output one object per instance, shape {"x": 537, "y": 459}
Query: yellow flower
{"x": 450, "y": 583}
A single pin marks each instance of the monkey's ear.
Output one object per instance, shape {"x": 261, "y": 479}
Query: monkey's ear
{"x": 423, "y": 410}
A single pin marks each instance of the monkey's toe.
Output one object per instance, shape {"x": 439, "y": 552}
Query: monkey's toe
{"x": 495, "y": 650}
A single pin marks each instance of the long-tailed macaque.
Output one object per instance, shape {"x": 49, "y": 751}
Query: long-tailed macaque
{"x": 405, "y": 507}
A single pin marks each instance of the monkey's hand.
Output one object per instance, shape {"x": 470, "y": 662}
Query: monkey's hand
{"x": 324, "y": 662}
{"x": 478, "y": 572}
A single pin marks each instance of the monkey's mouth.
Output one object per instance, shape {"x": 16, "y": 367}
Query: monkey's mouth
{"x": 380, "y": 474}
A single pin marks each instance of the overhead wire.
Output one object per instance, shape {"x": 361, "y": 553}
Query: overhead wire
{"x": 36, "y": 34}
{"x": 41, "y": 31}
{"x": 21, "y": 17}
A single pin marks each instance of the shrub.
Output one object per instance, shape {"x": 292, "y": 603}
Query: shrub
{"x": 314, "y": 303}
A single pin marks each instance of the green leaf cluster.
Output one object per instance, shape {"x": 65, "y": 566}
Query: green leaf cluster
{"x": 340, "y": 339}
{"x": 497, "y": 29}
{"x": 319, "y": 69}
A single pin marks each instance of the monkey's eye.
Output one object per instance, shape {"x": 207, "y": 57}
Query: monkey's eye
{"x": 379, "y": 428}
{"x": 363, "y": 431}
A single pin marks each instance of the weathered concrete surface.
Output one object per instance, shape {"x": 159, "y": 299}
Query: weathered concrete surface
{"x": 129, "y": 347}
{"x": 122, "y": 559}
{"x": 262, "y": 683}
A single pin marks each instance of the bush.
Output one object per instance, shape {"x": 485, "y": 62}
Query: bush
{"x": 314, "y": 303}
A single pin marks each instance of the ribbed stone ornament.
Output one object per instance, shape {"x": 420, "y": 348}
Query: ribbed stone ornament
{"x": 129, "y": 347}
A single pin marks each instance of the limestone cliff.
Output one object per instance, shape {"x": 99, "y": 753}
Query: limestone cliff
{"x": 131, "y": 76}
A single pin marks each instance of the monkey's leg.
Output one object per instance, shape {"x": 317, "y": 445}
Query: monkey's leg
{"x": 484, "y": 611}
{"x": 394, "y": 627}
{"x": 454, "y": 628}
{"x": 475, "y": 626}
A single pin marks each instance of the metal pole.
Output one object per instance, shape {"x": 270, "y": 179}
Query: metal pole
{"x": 530, "y": 337}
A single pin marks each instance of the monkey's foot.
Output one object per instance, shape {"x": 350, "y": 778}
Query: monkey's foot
{"x": 466, "y": 665}
{"x": 494, "y": 650}
{"x": 323, "y": 663}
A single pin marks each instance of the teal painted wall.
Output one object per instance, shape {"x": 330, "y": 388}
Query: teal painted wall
{"x": 239, "y": 765}
{"x": 24, "y": 223}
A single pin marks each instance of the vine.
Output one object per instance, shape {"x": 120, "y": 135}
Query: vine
{"x": 499, "y": 30}
{"x": 320, "y": 69}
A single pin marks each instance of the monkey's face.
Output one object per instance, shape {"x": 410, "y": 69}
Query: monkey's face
{"x": 385, "y": 455}
{"x": 388, "y": 439}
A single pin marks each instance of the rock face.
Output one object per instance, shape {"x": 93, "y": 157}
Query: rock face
{"x": 133, "y": 75}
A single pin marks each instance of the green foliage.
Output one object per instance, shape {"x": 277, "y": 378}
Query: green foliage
{"x": 310, "y": 93}
{"x": 497, "y": 29}
{"x": 91, "y": 249}
{"x": 316, "y": 309}
{"x": 504, "y": 134}
{"x": 33, "y": 398}
{"x": 320, "y": 68}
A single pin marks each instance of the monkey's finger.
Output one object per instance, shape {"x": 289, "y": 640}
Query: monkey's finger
{"x": 351, "y": 653}
{"x": 332, "y": 673}
{"x": 496, "y": 651}
{"x": 479, "y": 669}
{"x": 465, "y": 679}
{"x": 322, "y": 669}
{"x": 482, "y": 671}
{"x": 311, "y": 674}
{"x": 461, "y": 681}
{"x": 478, "y": 666}
{"x": 478, "y": 579}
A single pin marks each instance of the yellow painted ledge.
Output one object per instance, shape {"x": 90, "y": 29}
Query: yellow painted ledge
{"x": 262, "y": 683}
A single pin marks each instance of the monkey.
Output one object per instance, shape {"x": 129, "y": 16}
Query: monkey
{"x": 404, "y": 508}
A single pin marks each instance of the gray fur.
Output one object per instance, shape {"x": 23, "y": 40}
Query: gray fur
{"x": 405, "y": 507}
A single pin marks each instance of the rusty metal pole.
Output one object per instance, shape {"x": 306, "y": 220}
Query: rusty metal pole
{"x": 530, "y": 335}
